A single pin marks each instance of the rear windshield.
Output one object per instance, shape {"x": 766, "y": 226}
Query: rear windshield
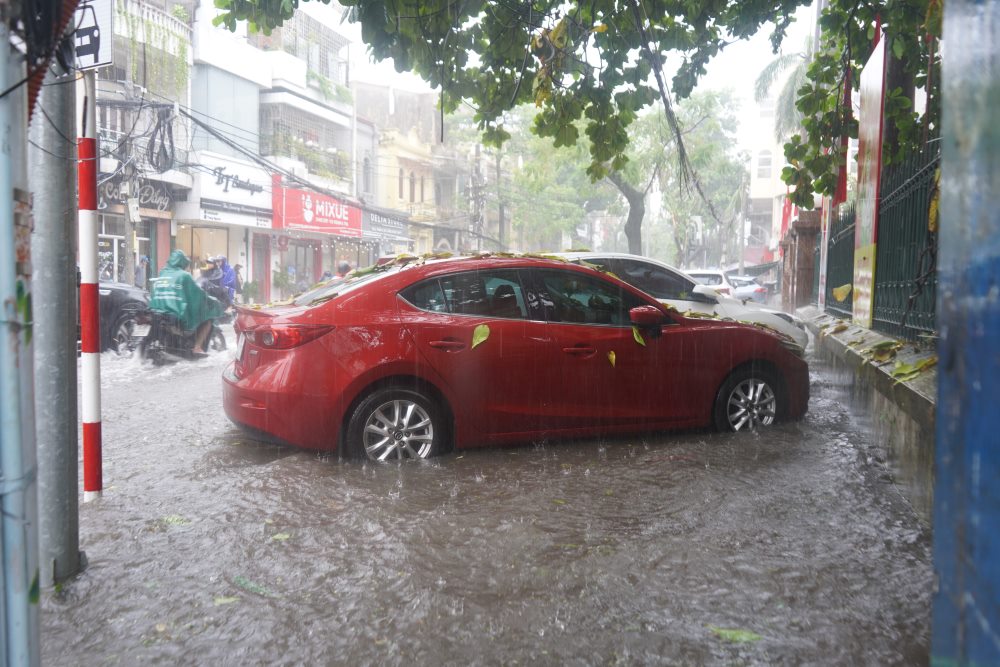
{"x": 707, "y": 278}
{"x": 338, "y": 286}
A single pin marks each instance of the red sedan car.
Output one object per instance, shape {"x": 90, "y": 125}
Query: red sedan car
{"x": 408, "y": 361}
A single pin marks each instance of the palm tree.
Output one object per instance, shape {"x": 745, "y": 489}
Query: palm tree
{"x": 787, "y": 118}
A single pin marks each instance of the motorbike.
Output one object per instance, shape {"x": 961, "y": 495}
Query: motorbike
{"x": 166, "y": 341}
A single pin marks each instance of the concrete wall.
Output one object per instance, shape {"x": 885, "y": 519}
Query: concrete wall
{"x": 902, "y": 413}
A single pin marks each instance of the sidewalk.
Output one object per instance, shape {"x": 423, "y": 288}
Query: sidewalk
{"x": 901, "y": 406}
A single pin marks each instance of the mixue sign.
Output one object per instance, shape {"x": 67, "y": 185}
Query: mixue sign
{"x": 313, "y": 212}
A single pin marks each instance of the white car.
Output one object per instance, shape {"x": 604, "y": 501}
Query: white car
{"x": 684, "y": 293}
{"x": 746, "y": 288}
{"x": 715, "y": 279}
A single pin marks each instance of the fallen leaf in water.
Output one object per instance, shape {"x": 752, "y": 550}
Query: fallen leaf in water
{"x": 221, "y": 600}
{"x": 281, "y": 537}
{"x": 736, "y": 636}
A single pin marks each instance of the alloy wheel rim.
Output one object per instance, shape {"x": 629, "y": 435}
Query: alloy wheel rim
{"x": 399, "y": 429}
{"x": 751, "y": 404}
{"x": 123, "y": 338}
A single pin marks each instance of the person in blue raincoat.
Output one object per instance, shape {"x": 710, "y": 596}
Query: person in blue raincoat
{"x": 228, "y": 277}
{"x": 176, "y": 293}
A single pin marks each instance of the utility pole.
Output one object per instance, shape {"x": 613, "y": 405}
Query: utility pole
{"x": 52, "y": 178}
{"x": 19, "y": 638}
{"x": 743, "y": 221}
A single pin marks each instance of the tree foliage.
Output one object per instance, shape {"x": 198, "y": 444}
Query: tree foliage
{"x": 585, "y": 64}
{"x": 912, "y": 29}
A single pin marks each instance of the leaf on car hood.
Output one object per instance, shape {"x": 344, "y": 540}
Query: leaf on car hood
{"x": 480, "y": 334}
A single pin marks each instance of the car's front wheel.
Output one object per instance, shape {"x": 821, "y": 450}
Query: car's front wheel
{"x": 749, "y": 398}
{"x": 395, "y": 423}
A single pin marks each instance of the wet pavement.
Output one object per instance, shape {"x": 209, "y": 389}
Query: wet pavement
{"x": 785, "y": 548}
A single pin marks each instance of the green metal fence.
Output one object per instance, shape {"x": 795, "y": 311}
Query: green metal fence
{"x": 840, "y": 261}
{"x": 906, "y": 256}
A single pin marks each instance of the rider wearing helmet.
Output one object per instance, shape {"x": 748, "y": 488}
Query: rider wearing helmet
{"x": 228, "y": 276}
{"x": 176, "y": 293}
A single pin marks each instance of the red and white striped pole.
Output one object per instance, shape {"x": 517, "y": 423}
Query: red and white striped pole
{"x": 88, "y": 155}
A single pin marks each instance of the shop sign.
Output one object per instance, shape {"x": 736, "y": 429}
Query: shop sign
{"x": 383, "y": 227}
{"x": 152, "y": 195}
{"x": 233, "y": 181}
{"x": 313, "y": 212}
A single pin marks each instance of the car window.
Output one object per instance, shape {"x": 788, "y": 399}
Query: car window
{"x": 653, "y": 279}
{"x": 578, "y": 298}
{"x": 707, "y": 278}
{"x": 486, "y": 293}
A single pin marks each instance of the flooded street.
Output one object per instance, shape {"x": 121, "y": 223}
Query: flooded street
{"x": 784, "y": 548}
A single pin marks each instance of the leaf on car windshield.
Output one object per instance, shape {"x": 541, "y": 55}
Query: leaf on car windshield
{"x": 611, "y": 357}
{"x": 638, "y": 336}
{"x": 480, "y": 334}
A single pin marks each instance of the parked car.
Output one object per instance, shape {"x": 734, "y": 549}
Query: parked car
{"x": 119, "y": 304}
{"x": 408, "y": 361}
{"x": 717, "y": 280}
{"x": 683, "y": 292}
{"x": 746, "y": 288}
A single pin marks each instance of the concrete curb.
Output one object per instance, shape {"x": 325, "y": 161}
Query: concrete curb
{"x": 902, "y": 413}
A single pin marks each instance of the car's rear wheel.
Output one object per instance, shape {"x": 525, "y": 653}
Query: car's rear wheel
{"x": 750, "y": 398}
{"x": 395, "y": 423}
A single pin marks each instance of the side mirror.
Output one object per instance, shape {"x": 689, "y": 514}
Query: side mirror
{"x": 647, "y": 316}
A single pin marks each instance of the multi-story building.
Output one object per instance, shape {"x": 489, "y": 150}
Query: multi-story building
{"x": 767, "y": 190}
{"x": 143, "y": 155}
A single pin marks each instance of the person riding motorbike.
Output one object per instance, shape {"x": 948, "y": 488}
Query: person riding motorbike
{"x": 228, "y": 276}
{"x": 211, "y": 279}
{"x": 176, "y": 293}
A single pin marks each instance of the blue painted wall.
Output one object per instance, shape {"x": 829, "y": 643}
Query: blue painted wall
{"x": 966, "y": 623}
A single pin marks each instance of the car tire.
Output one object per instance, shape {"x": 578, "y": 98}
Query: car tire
{"x": 751, "y": 397}
{"x": 121, "y": 335}
{"x": 393, "y": 423}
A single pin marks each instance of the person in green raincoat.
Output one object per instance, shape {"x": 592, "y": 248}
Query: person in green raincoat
{"x": 176, "y": 293}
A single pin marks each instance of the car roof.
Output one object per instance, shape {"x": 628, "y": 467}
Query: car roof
{"x": 589, "y": 254}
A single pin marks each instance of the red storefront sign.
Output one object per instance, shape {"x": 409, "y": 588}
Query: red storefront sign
{"x": 312, "y": 212}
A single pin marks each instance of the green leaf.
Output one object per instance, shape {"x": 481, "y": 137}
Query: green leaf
{"x": 281, "y": 537}
{"x": 735, "y": 636}
{"x": 35, "y": 592}
{"x": 611, "y": 358}
{"x": 175, "y": 520}
{"x": 480, "y": 334}
{"x": 638, "y": 336}
{"x": 253, "y": 587}
{"x": 221, "y": 600}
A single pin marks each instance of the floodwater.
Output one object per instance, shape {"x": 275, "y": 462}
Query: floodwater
{"x": 783, "y": 548}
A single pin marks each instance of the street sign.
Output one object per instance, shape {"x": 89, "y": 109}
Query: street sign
{"x": 94, "y": 34}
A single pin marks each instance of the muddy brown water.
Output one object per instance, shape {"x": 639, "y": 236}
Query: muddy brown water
{"x": 787, "y": 547}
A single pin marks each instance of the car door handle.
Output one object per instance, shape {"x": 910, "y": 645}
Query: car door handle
{"x": 580, "y": 351}
{"x": 451, "y": 345}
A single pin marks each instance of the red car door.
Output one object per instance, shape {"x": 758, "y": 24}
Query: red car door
{"x": 608, "y": 377}
{"x": 494, "y": 377}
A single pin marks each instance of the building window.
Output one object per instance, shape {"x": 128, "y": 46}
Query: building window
{"x": 400, "y": 183}
{"x": 366, "y": 175}
{"x": 413, "y": 187}
{"x": 764, "y": 164}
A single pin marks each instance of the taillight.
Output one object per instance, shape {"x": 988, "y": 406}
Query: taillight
{"x": 760, "y": 290}
{"x": 286, "y": 336}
